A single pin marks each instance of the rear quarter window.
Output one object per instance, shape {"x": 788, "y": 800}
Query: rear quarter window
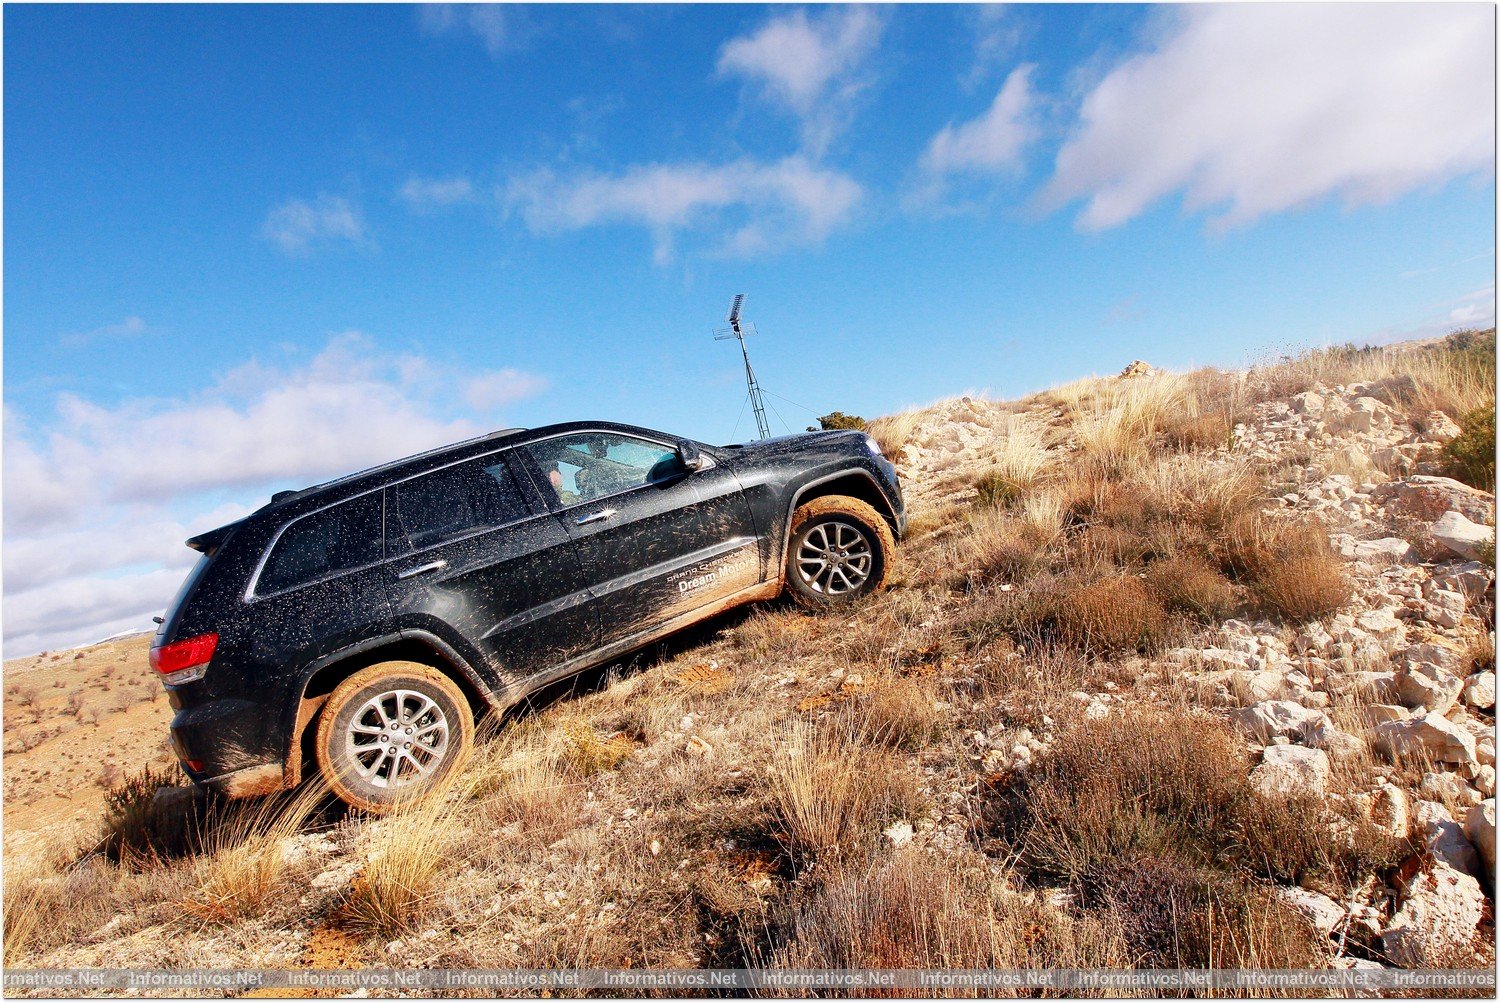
{"x": 336, "y": 539}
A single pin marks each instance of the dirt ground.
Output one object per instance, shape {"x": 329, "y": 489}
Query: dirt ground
{"x": 75, "y": 723}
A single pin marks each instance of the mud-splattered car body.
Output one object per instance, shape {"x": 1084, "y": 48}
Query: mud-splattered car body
{"x": 565, "y": 563}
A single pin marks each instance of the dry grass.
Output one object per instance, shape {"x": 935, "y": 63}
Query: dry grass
{"x": 1188, "y": 583}
{"x": 833, "y": 794}
{"x": 893, "y": 432}
{"x": 1111, "y": 615}
{"x": 913, "y": 910}
{"x": 901, "y": 714}
{"x": 244, "y": 865}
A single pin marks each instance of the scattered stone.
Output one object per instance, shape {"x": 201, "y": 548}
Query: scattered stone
{"x": 1321, "y": 911}
{"x": 900, "y": 833}
{"x": 1271, "y": 718}
{"x": 1429, "y": 734}
{"x": 1448, "y": 788}
{"x": 1479, "y": 827}
{"x": 1291, "y": 769}
{"x": 698, "y": 746}
{"x": 1438, "y": 427}
{"x": 1437, "y": 920}
{"x": 1307, "y": 403}
{"x": 1479, "y": 690}
{"x": 1427, "y": 685}
{"x": 1461, "y": 536}
{"x": 1425, "y": 498}
{"x": 1444, "y": 838}
{"x": 1137, "y": 368}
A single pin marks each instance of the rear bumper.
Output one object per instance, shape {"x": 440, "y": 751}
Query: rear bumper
{"x": 230, "y": 746}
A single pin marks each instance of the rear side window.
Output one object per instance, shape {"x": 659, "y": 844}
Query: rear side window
{"x": 340, "y": 538}
{"x": 454, "y": 502}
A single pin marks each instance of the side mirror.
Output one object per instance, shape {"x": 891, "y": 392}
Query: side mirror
{"x": 688, "y": 452}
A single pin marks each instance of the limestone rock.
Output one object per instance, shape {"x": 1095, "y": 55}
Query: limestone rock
{"x": 1291, "y": 769}
{"x": 1437, "y": 920}
{"x": 1479, "y": 690}
{"x": 1444, "y": 837}
{"x": 1425, "y": 497}
{"x": 1275, "y": 718}
{"x": 1438, "y": 427}
{"x": 1321, "y": 911}
{"x": 1461, "y": 536}
{"x": 1479, "y": 827}
{"x": 1430, "y": 734}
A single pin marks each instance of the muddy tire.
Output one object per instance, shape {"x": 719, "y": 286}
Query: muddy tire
{"x": 392, "y": 732}
{"x": 839, "y": 550}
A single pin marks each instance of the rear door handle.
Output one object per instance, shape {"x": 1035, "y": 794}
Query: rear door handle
{"x": 422, "y": 569}
{"x": 596, "y": 517}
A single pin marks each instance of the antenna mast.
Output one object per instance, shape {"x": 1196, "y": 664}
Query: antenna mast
{"x": 737, "y": 332}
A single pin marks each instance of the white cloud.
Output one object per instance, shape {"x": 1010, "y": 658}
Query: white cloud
{"x": 747, "y": 206}
{"x": 1474, "y": 311}
{"x": 298, "y": 226}
{"x": 430, "y": 193}
{"x": 489, "y": 22}
{"x": 809, "y": 65}
{"x": 991, "y": 143}
{"x": 491, "y": 391}
{"x": 91, "y": 538}
{"x": 1249, "y": 109}
{"x": 130, "y": 327}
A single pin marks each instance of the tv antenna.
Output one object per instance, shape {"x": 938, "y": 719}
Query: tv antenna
{"x": 737, "y": 331}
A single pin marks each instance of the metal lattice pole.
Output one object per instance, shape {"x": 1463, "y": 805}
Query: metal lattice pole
{"x": 757, "y": 402}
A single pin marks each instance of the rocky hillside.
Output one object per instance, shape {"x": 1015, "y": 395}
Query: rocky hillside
{"x": 1178, "y": 670}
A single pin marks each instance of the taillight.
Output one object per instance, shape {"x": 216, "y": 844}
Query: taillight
{"x": 184, "y": 661}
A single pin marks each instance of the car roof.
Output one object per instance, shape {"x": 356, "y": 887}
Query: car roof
{"x": 205, "y": 542}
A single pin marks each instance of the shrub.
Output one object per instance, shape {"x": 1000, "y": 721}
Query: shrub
{"x": 1132, "y": 784}
{"x": 1173, "y": 914}
{"x": 912, "y": 910}
{"x": 1110, "y": 615}
{"x": 586, "y": 752}
{"x": 1471, "y": 457}
{"x": 994, "y": 488}
{"x": 999, "y": 547}
{"x": 901, "y": 714}
{"x": 839, "y": 420}
{"x": 1304, "y": 588}
{"x": 134, "y": 830}
{"x": 1187, "y": 583}
{"x": 1188, "y": 430}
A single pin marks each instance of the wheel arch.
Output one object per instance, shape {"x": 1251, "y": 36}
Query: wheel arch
{"x": 858, "y": 484}
{"x": 324, "y": 675}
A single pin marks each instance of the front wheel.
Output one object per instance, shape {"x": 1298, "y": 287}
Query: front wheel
{"x": 391, "y": 732}
{"x": 840, "y": 549}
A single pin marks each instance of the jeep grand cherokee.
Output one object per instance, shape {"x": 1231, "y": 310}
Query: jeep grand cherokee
{"x": 359, "y": 624}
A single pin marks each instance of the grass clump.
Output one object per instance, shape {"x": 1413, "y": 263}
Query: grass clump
{"x": 1112, "y": 615}
{"x": 912, "y": 910}
{"x": 1189, "y": 584}
{"x": 832, "y": 794}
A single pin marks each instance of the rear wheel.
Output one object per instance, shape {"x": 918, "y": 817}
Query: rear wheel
{"x": 391, "y": 732}
{"x": 840, "y": 549}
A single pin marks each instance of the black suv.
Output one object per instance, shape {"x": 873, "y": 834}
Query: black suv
{"x": 363, "y": 621}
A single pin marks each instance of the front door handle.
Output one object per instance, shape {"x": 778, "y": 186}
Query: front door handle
{"x": 422, "y": 569}
{"x": 597, "y": 516}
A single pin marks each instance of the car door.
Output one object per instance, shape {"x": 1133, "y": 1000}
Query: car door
{"x": 475, "y": 559}
{"x": 632, "y": 510}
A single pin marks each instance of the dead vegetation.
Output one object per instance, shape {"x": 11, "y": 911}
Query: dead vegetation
{"x": 821, "y": 791}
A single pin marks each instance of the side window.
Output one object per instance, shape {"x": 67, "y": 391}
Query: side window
{"x": 592, "y": 465}
{"x": 454, "y": 502}
{"x": 336, "y": 539}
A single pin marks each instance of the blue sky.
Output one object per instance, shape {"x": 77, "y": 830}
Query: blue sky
{"x": 252, "y": 247}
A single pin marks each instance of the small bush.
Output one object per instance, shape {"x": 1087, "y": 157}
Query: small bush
{"x": 1176, "y": 915}
{"x": 1187, "y": 430}
{"x": 839, "y": 420}
{"x": 994, "y": 489}
{"x": 1110, "y": 615}
{"x": 1471, "y": 457}
{"x": 1299, "y": 589}
{"x": 586, "y": 752}
{"x": 911, "y": 910}
{"x": 901, "y": 714}
{"x": 999, "y": 547}
{"x": 133, "y": 830}
{"x": 1189, "y": 584}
